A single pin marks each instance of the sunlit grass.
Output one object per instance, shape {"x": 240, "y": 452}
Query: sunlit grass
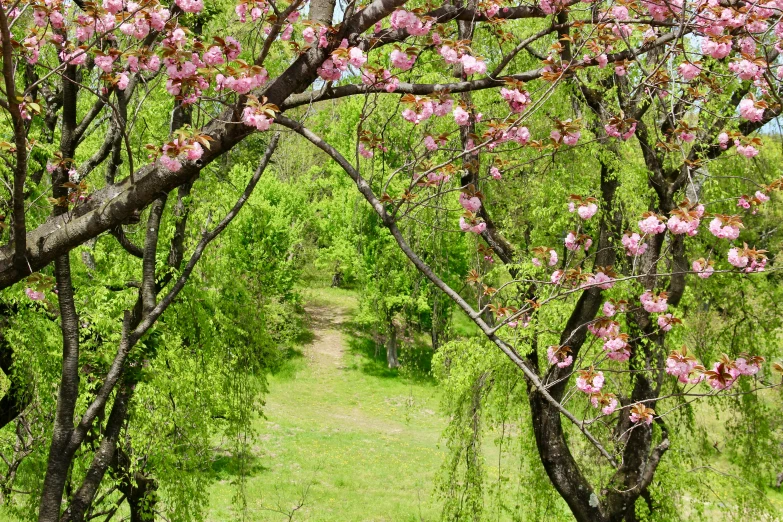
{"x": 351, "y": 441}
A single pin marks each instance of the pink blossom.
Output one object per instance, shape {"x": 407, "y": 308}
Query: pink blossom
{"x": 615, "y": 132}
{"x": 356, "y": 57}
{"x": 749, "y": 151}
{"x": 450, "y": 56}
{"x": 702, "y": 269}
{"x": 104, "y": 63}
{"x": 682, "y": 365}
{"x": 517, "y": 100}
{"x": 617, "y": 349}
{"x": 471, "y": 204}
{"x": 761, "y": 196}
{"x": 689, "y": 71}
{"x": 444, "y": 107}
{"x": 364, "y": 152}
{"x": 745, "y": 70}
{"x": 260, "y": 121}
{"x": 472, "y": 65}
{"x": 686, "y": 136}
{"x": 652, "y": 225}
{"x": 461, "y": 116}
{"x": 637, "y": 417}
{"x": 536, "y": 262}
{"x": 556, "y": 277}
{"x": 587, "y": 211}
{"x": 172, "y": 164}
{"x": 429, "y": 142}
{"x": 678, "y": 225}
{"x": 570, "y": 138}
{"x": 571, "y": 242}
{"x": 122, "y": 81}
{"x": 214, "y": 56}
{"x": 552, "y": 258}
{"x": 34, "y": 295}
{"x": 308, "y": 35}
{"x": 654, "y": 303}
{"x": 555, "y": 356}
{"x": 730, "y": 232}
{"x": 610, "y": 408}
{"x": 714, "y": 49}
{"x": 634, "y": 246}
{"x": 728, "y": 376}
{"x": 665, "y": 322}
{"x": 749, "y": 111}
{"x": 195, "y": 151}
{"x": 609, "y": 309}
{"x": 723, "y": 140}
{"x": 604, "y": 328}
{"x": 112, "y": 6}
{"x": 495, "y": 173}
{"x": 736, "y": 259}
{"x": 602, "y": 60}
{"x": 402, "y": 60}
{"x": 745, "y": 367}
{"x": 191, "y": 6}
{"x": 328, "y": 71}
{"x": 468, "y": 227}
{"x": 590, "y": 382}
{"x": 601, "y": 280}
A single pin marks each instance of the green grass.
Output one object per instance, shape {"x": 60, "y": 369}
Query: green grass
{"x": 356, "y": 441}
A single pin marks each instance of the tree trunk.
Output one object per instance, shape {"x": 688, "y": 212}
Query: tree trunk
{"x": 391, "y": 346}
{"x": 142, "y": 498}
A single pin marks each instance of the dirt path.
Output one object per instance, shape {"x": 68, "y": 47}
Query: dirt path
{"x": 327, "y": 348}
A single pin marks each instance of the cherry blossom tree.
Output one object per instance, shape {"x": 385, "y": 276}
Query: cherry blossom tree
{"x": 686, "y": 81}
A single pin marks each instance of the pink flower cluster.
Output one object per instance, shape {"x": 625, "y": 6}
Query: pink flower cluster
{"x": 634, "y": 246}
{"x": 689, "y": 71}
{"x": 470, "y": 203}
{"x": 728, "y": 231}
{"x": 572, "y": 242}
{"x": 33, "y": 294}
{"x": 585, "y": 210}
{"x": 599, "y": 279}
{"x": 652, "y": 225}
{"x": 552, "y": 259}
{"x": 570, "y": 138}
{"x": 477, "y": 227}
{"x": 750, "y": 111}
{"x": 384, "y": 77}
{"x": 684, "y": 366}
{"x": 517, "y": 100}
{"x": 703, "y": 268}
{"x": 617, "y": 348}
{"x": 606, "y": 401}
{"x": 590, "y": 381}
{"x": 654, "y": 303}
{"x": 402, "y": 19}
{"x": 402, "y": 60}
{"x": 685, "y": 221}
{"x": 424, "y": 108}
{"x": 615, "y": 131}
{"x": 559, "y": 356}
{"x": 603, "y": 327}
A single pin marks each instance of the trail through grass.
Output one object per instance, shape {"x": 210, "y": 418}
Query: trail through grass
{"x": 343, "y": 436}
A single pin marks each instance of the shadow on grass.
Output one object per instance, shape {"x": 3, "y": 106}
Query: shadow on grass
{"x": 369, "y": 357}
{"x": 290, "y": 361}
{"x": 227, "y": 465}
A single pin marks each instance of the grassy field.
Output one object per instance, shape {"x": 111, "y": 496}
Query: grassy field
{"x": 343, "y": 437}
